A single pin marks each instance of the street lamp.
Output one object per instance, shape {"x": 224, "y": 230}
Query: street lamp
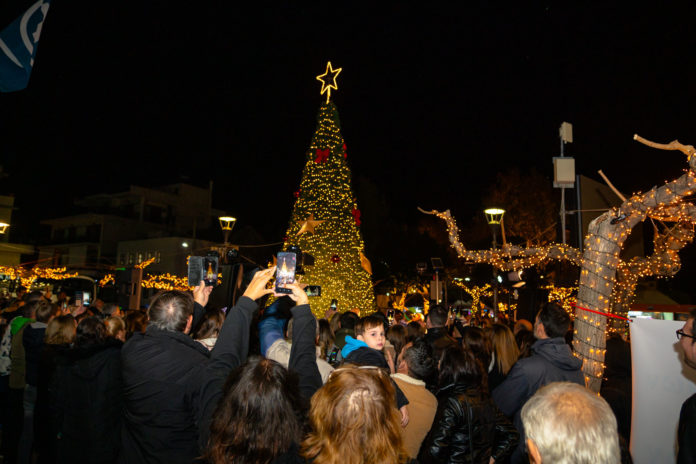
{"x": 494, "y": 217}
{"x": 227, "y": 224}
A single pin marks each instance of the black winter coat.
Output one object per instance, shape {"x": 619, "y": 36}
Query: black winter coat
{"x": 172, "y": 389}
{"x": 163, "y": 372}
{"x": 439, "y": 340}
{"x": 687, "y": 431}
{"x": 33, "y": 340}
{"x": 551, "y": 361}
{"x": 468, "y": 428}
{"x": 86, "y": 391}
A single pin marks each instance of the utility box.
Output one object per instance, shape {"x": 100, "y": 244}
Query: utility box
{"x": 563, "y": 172}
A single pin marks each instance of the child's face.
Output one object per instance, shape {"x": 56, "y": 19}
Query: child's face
{"x": 374, "y": 337}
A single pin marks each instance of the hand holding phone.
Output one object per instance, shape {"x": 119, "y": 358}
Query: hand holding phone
{"x": 285, "y": 272}
{"x": 201, "y": 293}
{"x": 297, "y": 294}
{"x": 257, "y": 287}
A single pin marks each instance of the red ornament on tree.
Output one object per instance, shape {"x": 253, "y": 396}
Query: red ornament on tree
{"x": 335, "y": 259}
{"x": 356, "y": 216}
{"x": 322, "y": 155}
{"x": 345, "y": 151}
{"x": 297, "y": 193}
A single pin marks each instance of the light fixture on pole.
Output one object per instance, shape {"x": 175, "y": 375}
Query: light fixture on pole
{"x": 6, "y": 208}
{"x": 494, "y": 217}
{"x": 227, "y": 224}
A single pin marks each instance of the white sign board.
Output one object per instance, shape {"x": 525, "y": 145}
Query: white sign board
{"x": 661, "y": 383}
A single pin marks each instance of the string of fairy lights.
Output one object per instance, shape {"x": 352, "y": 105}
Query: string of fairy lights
{"x": 607, "y": 283}
{"x": 27, "y": 277}
{"x": 398, "y": 297}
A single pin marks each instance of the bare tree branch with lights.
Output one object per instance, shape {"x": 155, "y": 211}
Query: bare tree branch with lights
{"x": 607, "y": 283}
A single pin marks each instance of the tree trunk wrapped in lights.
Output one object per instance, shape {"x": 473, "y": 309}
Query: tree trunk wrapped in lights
{"x": 664, "y": 262}
{"x": 600, "y": 260}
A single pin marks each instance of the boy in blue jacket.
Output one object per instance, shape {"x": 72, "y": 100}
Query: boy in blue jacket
{"x": 366, "y": 350}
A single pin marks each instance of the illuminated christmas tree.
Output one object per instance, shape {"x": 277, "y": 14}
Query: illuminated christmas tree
{"x": 325, "y": 221}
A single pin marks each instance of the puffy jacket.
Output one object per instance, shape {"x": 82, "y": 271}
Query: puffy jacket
{"x": 551, "y": 361}
{"x": 33, "y": 340}
{"x": 468, "y": 428}
{"x": 87, "y": 393}
{"x": 163, "y": 373}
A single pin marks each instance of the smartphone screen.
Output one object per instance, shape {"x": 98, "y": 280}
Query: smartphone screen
{"x": 210, "y": 268}
{"x": 86, "y": 298}
{"x": 78, "y": 299}
{"x": 285, "y": 272}
{"x": 313, "y": 290}
{"x": 203, "y": 268}
{"x": 334, "y": 303}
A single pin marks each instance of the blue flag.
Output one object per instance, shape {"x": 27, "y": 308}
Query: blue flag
{"x": 18, "y": 42}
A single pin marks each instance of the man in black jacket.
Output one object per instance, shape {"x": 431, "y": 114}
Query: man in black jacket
{"x": 166, "y": 378}
{"x": 437, "y": 336}
{"x": 551, "y": 361}
{"x": 686, "y": 433}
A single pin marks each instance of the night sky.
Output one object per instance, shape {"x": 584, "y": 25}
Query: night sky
{"x": 434, "y": 101}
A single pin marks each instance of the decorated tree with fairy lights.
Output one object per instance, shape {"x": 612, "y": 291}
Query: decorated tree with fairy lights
{"x": 325, "y": 221}
{"x": 607, "y": 282}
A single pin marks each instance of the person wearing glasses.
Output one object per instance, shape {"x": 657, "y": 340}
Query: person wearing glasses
{"x": 686, "y": 433}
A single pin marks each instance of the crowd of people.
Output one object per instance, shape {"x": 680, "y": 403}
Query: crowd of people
{"x": 184, "y": 383}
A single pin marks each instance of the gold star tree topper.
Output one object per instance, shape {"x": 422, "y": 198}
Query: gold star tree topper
{"x": 308, "y": 224}
{"x": 328, "y": 80}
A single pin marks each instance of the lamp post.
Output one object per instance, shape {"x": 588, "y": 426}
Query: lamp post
{"x": 494, "y": 217}
{"x": 227, "y": 224}
{"x": 6, "y": 208}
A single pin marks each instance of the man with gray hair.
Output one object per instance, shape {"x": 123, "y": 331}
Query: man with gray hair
{"x": 165, "y": 375}
{"x": 565, "y": 423}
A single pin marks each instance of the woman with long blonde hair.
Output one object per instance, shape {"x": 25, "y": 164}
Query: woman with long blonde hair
{"x": 354, "y": 420}
{"x": 505, "y": 354}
